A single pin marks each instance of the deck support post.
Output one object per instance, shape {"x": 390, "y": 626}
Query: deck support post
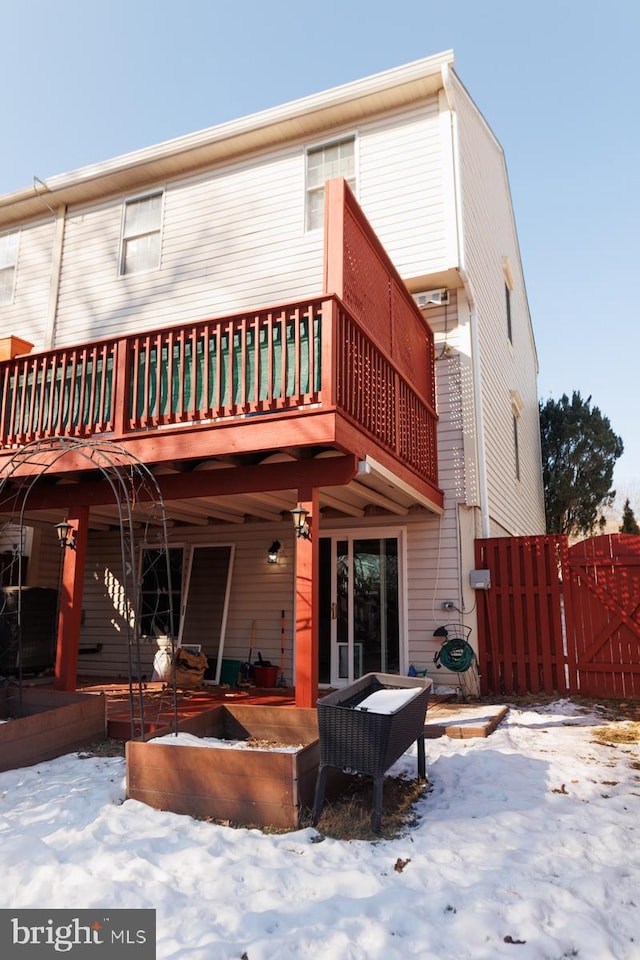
{"x": 307, "y": 597}
{"x": 70, "y": 601}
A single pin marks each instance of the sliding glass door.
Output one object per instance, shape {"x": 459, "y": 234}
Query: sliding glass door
{"x": 360, "y": 607}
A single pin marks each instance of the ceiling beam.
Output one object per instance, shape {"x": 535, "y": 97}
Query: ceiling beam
{"x": 381, "y": 501}
{"x": 187, "y": 516}
{"x": 336, "y": 503}
{"x": 333, "y": 471}
{"x": 280, "y": 503}
{"x": 253, "y": 510}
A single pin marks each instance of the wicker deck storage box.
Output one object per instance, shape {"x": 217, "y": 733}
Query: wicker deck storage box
{"x": 363, "y": 741}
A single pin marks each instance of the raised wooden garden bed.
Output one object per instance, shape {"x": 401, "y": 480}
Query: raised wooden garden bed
{"x": 43, "y": 724}
{"x": 261, "y": 787}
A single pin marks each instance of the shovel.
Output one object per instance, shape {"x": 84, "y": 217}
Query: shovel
{"x": 281, "y": 681}
{"x": 247, "y": 668}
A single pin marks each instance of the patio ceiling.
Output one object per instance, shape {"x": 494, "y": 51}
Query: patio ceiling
{"x": 373, "y": 490}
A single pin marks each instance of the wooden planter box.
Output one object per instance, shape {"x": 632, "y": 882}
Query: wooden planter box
{"x": 365, "y": 741}
{"x": 253, "y": 787}
{"x": 11, "y": 347}
{"x": 44, "y": 724}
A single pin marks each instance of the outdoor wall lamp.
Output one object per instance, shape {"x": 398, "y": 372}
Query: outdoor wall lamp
{"x": 65, "y": 534}
{"x": 272, "y": 553}
{"x": 300, "y": 524}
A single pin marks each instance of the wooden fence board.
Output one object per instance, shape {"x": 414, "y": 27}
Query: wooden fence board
{"x": 560, "y": 619}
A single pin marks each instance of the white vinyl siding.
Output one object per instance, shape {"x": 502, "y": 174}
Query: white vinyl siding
{"x": 228, "y": 243}
{"x": 515, "y": 508}
{"x": 234, "y": 238}
{"x": 141, "y": 234}
{"x": 401, "y": 188}
{"x": 25, "y": 314}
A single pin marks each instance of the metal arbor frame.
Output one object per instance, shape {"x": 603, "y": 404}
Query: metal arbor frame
{"x": 133, "y": 487}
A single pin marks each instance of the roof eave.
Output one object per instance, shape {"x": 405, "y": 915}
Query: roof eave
{"x": 302, "y": 119}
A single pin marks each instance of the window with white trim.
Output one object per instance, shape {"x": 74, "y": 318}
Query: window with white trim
{"x": 323, "y": 163}
{"x": 508, "y": 287}
{"x": 507, "y": 300}
{"x": 8, "y": 262}
{"x": 161, "y": 592}
{"x": 516, "y": 446}
{"x": 141, "y": 234}
{"x": 516, "y": 410}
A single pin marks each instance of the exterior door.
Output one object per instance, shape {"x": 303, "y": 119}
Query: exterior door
{"x": 360, "y": 598}
{"x": 205, "y": 600}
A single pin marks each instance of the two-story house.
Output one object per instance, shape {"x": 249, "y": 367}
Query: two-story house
{"x": 321, "y": 306}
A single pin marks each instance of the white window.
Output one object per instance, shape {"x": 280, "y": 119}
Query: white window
{"x": 508, "y": 288}
{"x": 141, "y": 234}
{"x": 516, "y": 447}
{"x": 323, "y": 163}
{"x": 161, "y": 592}
{"x": 516, "y": 410}
{"x": 8, "y": 261}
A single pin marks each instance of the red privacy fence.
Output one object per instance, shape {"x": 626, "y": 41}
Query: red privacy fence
{"x": 560, "y": 618}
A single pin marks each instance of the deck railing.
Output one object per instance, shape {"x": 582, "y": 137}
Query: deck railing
{"x": 65, "y": 392}
{"x": 306, "y": 355}
{"x": 215, "y": 369}
{"x": 206, "y": 371}
{"x": 362, "y": 349}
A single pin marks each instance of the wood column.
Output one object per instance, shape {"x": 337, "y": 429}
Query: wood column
{"x": 70, "y": 601}
{"x": 307, "y": 595}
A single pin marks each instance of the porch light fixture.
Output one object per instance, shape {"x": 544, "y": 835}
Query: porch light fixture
{"x": 65, "y": 533}
{"x": 272, "y": 553}
{"x": 300, "y": 524}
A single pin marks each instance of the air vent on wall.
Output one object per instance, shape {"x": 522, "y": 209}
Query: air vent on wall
{"x": 431, "y": 298}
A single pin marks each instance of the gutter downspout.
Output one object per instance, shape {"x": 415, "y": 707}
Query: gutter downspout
{"x": 481, "y": 464}
{"x": 54, "y": 289}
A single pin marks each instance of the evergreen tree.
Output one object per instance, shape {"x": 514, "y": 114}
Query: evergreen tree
{"x": 579, "y": 451}
{"x": 629, "y": 522}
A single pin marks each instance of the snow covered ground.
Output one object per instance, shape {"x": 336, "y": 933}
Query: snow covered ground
{"x": 527, "y": 847}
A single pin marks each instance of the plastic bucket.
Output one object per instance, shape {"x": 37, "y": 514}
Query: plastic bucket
{"x": 265, "y": 676}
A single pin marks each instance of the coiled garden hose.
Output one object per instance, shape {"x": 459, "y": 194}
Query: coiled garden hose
{"x": 456, "y": 655}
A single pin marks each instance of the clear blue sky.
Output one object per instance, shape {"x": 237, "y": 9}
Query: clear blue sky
{"x": 558, "y": 82}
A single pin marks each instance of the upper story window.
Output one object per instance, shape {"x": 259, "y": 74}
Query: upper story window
{"x": 508, "y": 287}
{"x": 516, "y": 410}
{"x": 141, "y": 234}
{"x": 507, "y": 298}
{"x": 8, "y": 262}
{"x": 516, "y": 447}
{"x": 323, "y": 163}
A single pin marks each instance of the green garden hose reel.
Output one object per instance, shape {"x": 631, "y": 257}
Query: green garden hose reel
{"x": 456, "y": 653}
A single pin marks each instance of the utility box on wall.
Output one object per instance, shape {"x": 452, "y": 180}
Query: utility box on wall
{"x": 480, "y": 579}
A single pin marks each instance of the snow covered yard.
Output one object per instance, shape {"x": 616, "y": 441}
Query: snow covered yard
{"x": 526, "y": 847}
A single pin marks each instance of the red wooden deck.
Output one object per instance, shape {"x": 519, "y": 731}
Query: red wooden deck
{"x": 351, "y": 370}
